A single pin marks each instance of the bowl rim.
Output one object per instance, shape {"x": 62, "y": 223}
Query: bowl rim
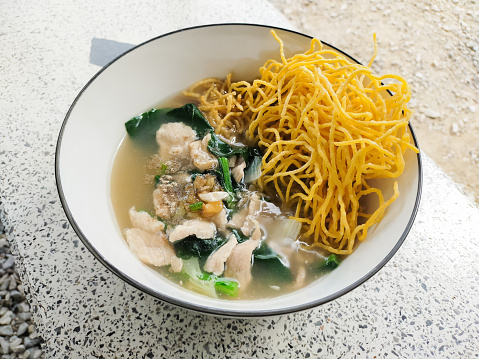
{"x": 205, "y": 309}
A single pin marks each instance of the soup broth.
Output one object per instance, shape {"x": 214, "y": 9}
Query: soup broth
{"x": 132, "y": 185}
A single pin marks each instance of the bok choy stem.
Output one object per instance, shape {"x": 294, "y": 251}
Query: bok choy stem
{"x": 207, "y": 283}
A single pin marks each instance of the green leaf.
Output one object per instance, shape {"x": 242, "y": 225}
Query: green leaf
{"x": 223, "y": 149}
{"x": 268, "y": 266}
{"x": 195, "y": 247}
{"x": 225, "y": 171}
{"x": 207, "y": 283}
{"x": 226, "y": 183}
{"x": 144, "y": 126}
{"x": 196, "y": 282}
{"x": 227, "y": 286}
{"x": 265, "y": 252}
{"x": 329, "y": 263}
{"x": 147, "y": 123}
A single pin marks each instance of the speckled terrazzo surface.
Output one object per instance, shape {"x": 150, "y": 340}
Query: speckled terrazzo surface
{"x": 423, "y": 303}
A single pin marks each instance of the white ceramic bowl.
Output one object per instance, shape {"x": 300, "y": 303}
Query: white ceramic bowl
{"x": 149, "y": 74}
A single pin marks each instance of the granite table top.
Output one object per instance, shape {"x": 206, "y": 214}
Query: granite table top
{"x": 423, "y": 303}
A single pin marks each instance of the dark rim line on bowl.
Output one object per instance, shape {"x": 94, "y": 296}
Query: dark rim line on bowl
{"x": 204, "y": 309}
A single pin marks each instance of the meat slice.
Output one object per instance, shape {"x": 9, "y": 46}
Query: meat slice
{"x": 256, "y": 235}
{"x": 237, "y": 221}
{"x": 166, "y": 197}
{"x": 238, "y": 170}
{"x": 144, "y": 221}
{"x": 153, "y": 249}
{"x": 220, "y": 219}
{"x": 248, "y": 225}
{"x": 243, "y": 218}
{"x": 174, "y": 140}
{"x": 238, "y": 264}
{"x": 202, "y": 158}
{"x": 254, "y": 205}
{"x": 216, "y": 261}
{"x": 300, "y": 277}
{"x": 176, "y": 264}
{"x": 200, "y": 228}
{"x": 232, "y": 161}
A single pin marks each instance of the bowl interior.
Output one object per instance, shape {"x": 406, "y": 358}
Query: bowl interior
{"x": 150, "y": 74}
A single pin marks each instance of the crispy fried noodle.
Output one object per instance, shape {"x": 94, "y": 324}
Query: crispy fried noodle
{"x": 326, "y": 126}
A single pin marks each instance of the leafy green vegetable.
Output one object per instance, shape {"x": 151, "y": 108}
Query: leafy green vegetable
{"x": 329, "y": 263}
{"x": 194, "y": 247}
{"x": 228, "y": 187}
{"x": 268, "y": 263}
{"x": 191, "y": 267}
{"x": 207, "y": 283}
{"x": 253, "y": 171}
{"x": 220, "y": 148}
{"x": 144, "y": 126}
{"x": 226, "y": 181}
{"x": 264, "y": 252}
{"x": 223, "y": 149}
{"x": 254, "y": 154}
{"x": 196, "y": 206}
{"x": 227, "y": 286}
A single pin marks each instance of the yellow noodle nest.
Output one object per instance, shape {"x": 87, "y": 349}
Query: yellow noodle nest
{"x": 326, "y": 126}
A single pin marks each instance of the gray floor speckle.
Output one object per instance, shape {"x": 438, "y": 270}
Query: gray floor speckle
{"x": 18, "y": 335}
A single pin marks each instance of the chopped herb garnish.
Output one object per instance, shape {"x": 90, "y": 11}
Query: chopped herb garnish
{"x": 163, "y": 170}
{"x": 196, "y": 206}
{"x": 227, "y": 286}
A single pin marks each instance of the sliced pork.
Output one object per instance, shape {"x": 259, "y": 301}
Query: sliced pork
{"x": 220, "y": 219}
{"x": 153, "y": 249}
{"x": 238, "y": 170}
{"x": 216, "y": 261}
{"x": 238, "y": 264}
{"x": 200, "y": 228}
{"x": 174, "y": 140}
{"x": 144, "y": 221}
{"x": 202, "y": 158}
{"x": 242, "y": 218}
